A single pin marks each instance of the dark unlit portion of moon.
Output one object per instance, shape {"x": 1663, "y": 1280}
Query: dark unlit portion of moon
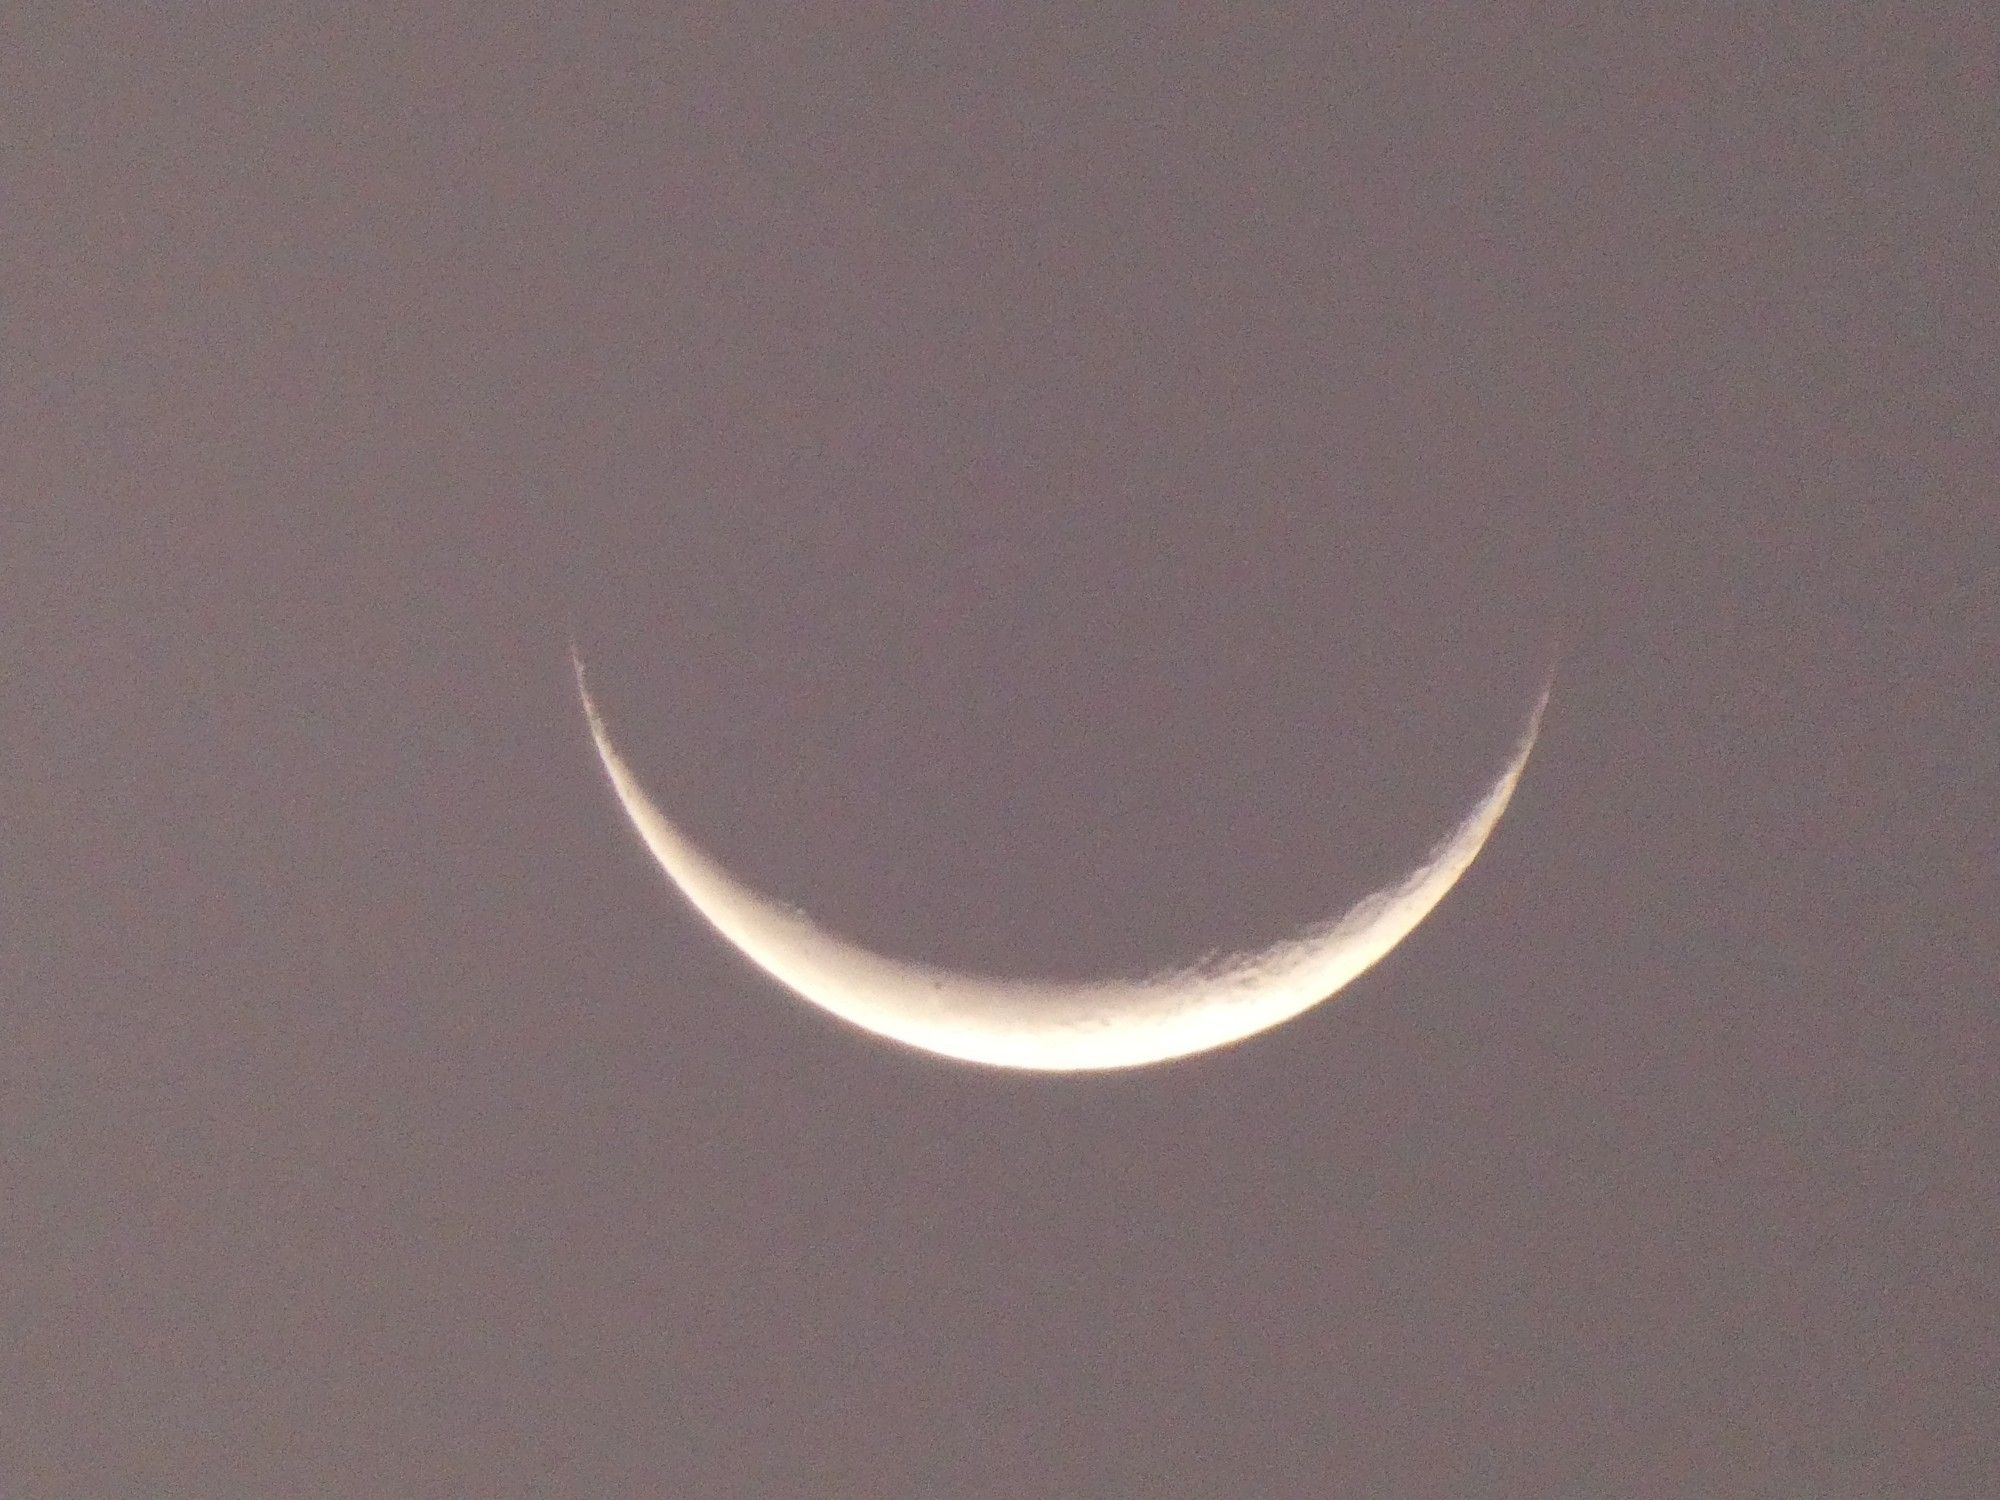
{"x": 1059, "y": 1027}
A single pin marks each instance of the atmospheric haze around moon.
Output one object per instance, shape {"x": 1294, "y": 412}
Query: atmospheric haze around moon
{"x": 1055, "y": 1028}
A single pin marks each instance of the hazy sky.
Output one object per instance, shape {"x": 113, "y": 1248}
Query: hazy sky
{"x": 1052, "y": 491}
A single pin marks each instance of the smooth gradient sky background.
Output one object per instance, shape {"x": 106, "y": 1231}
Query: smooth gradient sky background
{"x": 1052, "y": 490}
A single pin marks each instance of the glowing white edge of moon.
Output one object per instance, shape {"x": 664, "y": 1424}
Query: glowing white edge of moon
{"x": 1057, "y": 1027}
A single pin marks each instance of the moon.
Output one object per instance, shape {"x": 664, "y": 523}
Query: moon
{"x": 1057, "y": 1028}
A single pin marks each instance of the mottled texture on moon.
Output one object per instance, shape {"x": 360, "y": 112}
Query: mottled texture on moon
{"x": 1058, "y": 1027}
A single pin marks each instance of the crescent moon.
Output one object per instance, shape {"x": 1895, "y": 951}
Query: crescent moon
{"x": 1057, "y": 1028}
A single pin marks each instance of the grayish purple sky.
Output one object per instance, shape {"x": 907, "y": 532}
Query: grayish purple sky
{"x": 1051, "y": 490}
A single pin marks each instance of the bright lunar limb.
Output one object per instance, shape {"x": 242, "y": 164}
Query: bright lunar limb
{"x": 1057, "y": 1027}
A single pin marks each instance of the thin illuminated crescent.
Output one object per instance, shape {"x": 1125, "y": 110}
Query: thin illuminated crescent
{"x": 1055, "y": 1028}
